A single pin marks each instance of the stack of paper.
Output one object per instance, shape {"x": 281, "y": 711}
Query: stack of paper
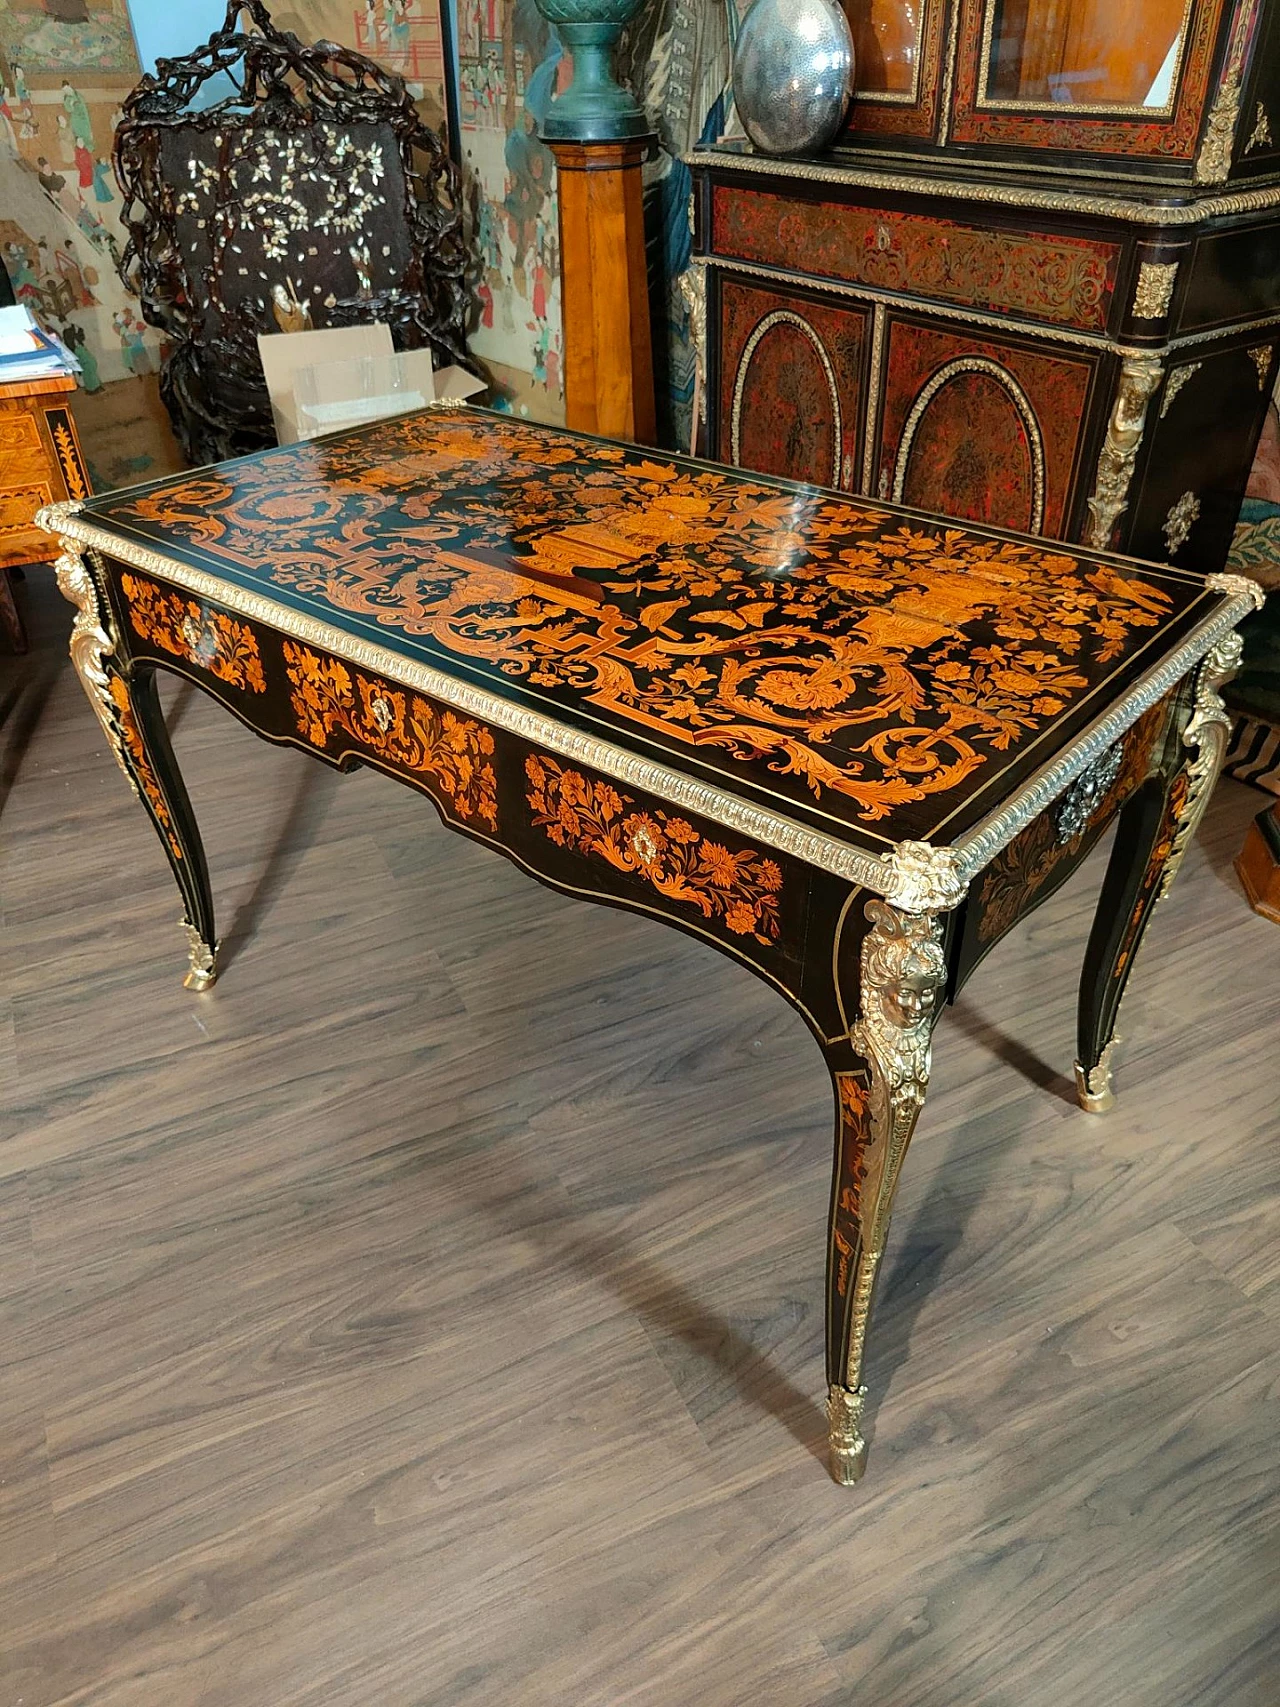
{"x": 27, "y": 352}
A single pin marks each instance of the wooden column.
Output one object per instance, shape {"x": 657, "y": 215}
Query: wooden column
{"x": 608, "y": 358}
{"x": 1258, "y": 866}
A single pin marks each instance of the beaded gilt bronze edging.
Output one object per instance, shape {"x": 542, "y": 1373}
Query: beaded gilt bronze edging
{"x": 1008, "y": 195}
{"x": 915, "y": 875}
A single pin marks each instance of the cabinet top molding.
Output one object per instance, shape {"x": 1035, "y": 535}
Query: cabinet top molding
{"x": 1189, "y": 211}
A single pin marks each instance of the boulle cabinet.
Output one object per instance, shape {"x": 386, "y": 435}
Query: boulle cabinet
{"x": 1035, "y": 284}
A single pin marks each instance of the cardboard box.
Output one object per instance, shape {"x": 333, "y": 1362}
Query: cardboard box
{"x": 319, "y": 382}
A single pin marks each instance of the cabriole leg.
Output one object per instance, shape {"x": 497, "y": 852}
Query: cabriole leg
{"x": 1153, "y": 833}
{"x": 880, "y": 1085}
{"x": 128, "y": 707}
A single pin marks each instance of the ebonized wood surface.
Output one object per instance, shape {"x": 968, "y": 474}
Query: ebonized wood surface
{"x": 428, "y": 1315}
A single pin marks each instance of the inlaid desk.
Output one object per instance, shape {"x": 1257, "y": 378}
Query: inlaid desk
{"x": 847, "y": 744}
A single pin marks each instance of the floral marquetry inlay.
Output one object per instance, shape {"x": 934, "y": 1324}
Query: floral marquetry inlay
{"x": 407, "y": 731}
{"x": 189, "y": 630}
{"x": 739, "y": 890}
{"x": 821, "y": 650}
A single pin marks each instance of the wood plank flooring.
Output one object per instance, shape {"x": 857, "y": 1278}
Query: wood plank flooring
{"x": 430, "y": 1315}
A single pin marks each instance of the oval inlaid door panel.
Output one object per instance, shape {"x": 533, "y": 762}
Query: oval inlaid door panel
{"x": 786, "y": 403}
{"x": 971, "y": 448}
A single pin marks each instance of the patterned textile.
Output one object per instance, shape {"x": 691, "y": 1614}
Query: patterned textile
{"x": 1254, "y": 694}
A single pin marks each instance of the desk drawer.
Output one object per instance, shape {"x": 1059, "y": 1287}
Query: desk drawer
{"x": 18, "y": 433}
{"x": 1043, "y": 856}
{"x": 568, "y": 825}
{"x": 20, "y": 540}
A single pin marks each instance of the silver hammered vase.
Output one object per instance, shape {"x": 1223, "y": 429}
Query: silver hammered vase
{"x": 793, "y": 74}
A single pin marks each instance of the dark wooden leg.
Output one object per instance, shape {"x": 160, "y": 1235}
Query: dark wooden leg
{"x": 10, "y": 616}
{"x": 1144, "y": 839}
{"x": 124, "y": 697}
{"x": 880, "y": 1078}
{"x": 150, "y": 764}
{"x": 1152, "y": 836}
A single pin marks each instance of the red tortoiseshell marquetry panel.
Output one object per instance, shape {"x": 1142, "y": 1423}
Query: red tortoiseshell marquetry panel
{"x": 1063, "y": 126}
{"x": 984, "y": 430}
{"x": 790, "y": 383}
{"x": 1065, "y": 280}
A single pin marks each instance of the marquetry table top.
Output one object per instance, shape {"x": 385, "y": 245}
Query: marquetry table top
{"x": 879, "y": 675}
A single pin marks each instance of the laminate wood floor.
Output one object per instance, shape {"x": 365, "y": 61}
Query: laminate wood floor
{"x": 430, "y": 1315}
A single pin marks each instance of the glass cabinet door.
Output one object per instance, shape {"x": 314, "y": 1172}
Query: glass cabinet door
{"x": 898, "y": 52}
{"x": 1126, "y": 79}
{"x": 1084, "y": 53}
{"x": 886, "y": 45}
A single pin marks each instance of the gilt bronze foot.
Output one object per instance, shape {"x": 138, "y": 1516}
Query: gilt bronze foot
{"x": 1094, "y": 1086}
{"x": 203, "y": 957}
{"x": 848, "y": 1449}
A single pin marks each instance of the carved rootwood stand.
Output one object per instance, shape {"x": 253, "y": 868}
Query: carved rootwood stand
{"x": 849, "y": 747}
{"x": 313, "y": 196}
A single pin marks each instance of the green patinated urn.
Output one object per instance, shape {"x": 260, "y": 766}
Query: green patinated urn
{"x": 595, "y": 107}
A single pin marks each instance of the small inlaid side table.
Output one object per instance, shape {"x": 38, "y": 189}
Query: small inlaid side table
{"x": 40, "y": 463}
{"x": 1258, "y": 864}
{"x": 846, "y": 744}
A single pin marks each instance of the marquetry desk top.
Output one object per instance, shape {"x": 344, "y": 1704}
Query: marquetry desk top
{"x": 839, "y": 677}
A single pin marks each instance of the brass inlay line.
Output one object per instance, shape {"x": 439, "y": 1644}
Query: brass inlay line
{"x": 952, "y": 53}
{"x": 875, "y": 379}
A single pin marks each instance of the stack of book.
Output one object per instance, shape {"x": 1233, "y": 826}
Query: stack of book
{"x": 27, "y": 352}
